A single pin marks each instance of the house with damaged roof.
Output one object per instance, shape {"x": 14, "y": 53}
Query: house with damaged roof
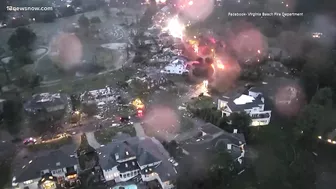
{"x": 100, "y": 95}
{"x": 136, "y": 159}
{"x": 252, "y": 102}
{"x": 50, "y": 170}
{"x": 47, "y": 102}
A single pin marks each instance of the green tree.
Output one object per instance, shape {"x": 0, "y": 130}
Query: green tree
{"x": 323, "y": 97}
{"x": 241, "y": 121}
{"x": 309, "y": 118}
{"x": 76, "y": 3}
{"x": 21, "y": 37}
{"x": 12, "y": 115}
{"x": 22, "y": 57}
{"x": 215, "y": 171}
{"x": 95, "y": 20}
{"x": 310, "y": 82}
{"x": 83, "y": 22}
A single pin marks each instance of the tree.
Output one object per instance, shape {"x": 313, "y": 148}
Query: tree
{"x": 22, "y": 37}
{"x": 240, "y": 121}
{"x": 76, "y": 3}
{"x": 310, "y": 82}
{"x": 12, "y": 115}
{"x": 309, "y": 119}
{"x": 22, "y": 57}
{"x": 95, "y": 20}
{"x": 323, "y": 97}
{"x": 214, "y": 171}
{"x": 75, "y": 102}
{"x": 83, "y": 22}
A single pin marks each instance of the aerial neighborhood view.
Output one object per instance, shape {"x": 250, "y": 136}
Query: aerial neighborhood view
{"x": 167, "y": 94}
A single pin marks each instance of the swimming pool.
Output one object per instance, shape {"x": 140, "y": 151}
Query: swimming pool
{"x": 131, "y": 186}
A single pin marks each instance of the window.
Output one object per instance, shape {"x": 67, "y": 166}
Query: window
{"x": 127, "y": 153}
{"x": 131, "y": 174}
{"x": 121, "y": 176}
{"x": 133, "y": 163}
{"x": 126, "y": 165}
{"x": 128, "y": 174}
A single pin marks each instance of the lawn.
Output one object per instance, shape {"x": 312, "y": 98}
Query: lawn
{"x": 105, "y": 136}
{"x": 185, "y": 124}
{"x": 202, "y": 102}
{"x": 51, "y": 145}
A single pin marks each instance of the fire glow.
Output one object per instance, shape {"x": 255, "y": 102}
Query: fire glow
{"x": 175, "y": 28}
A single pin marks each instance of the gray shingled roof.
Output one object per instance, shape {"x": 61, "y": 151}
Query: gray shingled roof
{"x": 128, "y": 166}
{"x": 146, "y": 152}
{"x": 218, "y": 139}
{"x": 53, "y": 160}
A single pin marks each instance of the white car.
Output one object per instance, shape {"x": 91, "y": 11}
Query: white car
{"x": 171, "y": 160}
{"x": 115, "y": 125}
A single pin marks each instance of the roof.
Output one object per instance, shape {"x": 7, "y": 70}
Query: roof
{"x": 44, "y": 100}
{"x": 128, "y": 166}
{"x": 53, "y": 160}
{"x": 216, "y": 138}
{"x": 99, "y": 93}
{"x": 240, "y": 102}
{"x": 146, "y": 152}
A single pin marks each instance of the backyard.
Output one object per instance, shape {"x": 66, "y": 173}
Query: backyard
{"x": 105, "y": 136}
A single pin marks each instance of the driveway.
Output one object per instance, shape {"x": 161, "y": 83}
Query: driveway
{"x": 92, "y": 140}
{"x": 139, "y": 130}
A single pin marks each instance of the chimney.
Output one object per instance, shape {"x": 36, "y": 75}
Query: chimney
{"x": 235, "y": 131}
{"x": 229, "y": 146}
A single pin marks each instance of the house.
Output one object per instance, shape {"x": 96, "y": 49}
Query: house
{"x": 54, "y": 168}
{"x": 46, "y": 102}
{"x": 136, "y": 159}
{"x": 253, "y": 103}
{"x": 100, "y": 95}
{"x": 150, "y": 81}
{"x": 177, "y": 66}
{"x": 212, "y": 137}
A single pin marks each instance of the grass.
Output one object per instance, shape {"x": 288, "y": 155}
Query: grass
{"x": 52, "y": 145}
{"x": 185, "y": 124}
{"x": 105, "y": 136}
{"x": 202, "y": 102}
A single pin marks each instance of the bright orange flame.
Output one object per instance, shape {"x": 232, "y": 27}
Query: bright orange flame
{"x": 137, "y": 103}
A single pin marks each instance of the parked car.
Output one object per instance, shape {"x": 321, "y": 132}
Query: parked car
{"x": 29, "y": 141}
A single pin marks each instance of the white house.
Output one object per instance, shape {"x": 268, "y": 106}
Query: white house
{"x": 176, "y": 67}
{"x": 100, "y": 95}
{"x": 136, "y": 159}
{"x": 252, "y": 103}
{"x": 59, "y": 164}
